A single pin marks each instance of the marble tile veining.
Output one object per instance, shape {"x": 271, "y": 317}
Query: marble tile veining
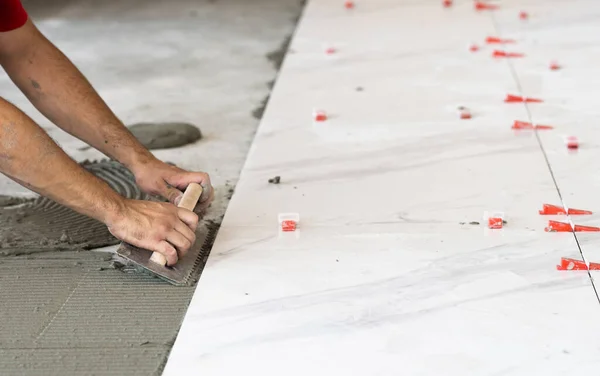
{"x": 392, "y": 270}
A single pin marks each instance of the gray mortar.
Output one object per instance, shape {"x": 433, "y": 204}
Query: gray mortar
{"x": 276, "y": 57}
{"x": 70, "y": 316}
{"x": 165, "y": 135}
{"x": 162, "y": 135}
{"x": 43, "y": 225}
{"x": 6, "y": 201}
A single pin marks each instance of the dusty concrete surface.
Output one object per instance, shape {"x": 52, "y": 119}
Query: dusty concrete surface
{"x": 199, "y": 62}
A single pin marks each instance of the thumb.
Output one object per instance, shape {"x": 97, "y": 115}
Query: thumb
{"x": 172, "y": 194}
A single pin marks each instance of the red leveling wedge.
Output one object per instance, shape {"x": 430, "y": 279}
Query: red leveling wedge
{"x": 481, "y": 5}
{"x": 499, "y": 53}
{"x": 555, "y": 226}
{"x": 497, "y": 40}
{"x": 557, "y": 210}
{"x": 572, "y": 264}
{"x": 520, "y": 125}
{"x": 519, "y": 99}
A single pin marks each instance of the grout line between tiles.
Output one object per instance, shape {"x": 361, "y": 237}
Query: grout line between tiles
{"x": 515, "y": 76}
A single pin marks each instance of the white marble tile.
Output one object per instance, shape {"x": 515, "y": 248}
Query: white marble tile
{"x": 405, "y": 295}
{"x": 569, "y": 35}
{"x": 385, "y": 275}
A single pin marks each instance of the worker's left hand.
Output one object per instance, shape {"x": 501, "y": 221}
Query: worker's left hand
{"x": 161, "y": 179}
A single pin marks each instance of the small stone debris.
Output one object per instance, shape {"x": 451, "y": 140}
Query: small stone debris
{"x": 275, "y": 180}
{"x": 64, "y": 237}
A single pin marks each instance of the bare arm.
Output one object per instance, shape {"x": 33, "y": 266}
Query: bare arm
{"x": 60, "y": 92}
{"x": 29, "y": 156}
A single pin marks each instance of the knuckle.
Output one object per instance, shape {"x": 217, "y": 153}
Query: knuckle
{"x": 169, "y": 251}
{"x": 173, "y": 195}
{"x": 205, "y": 179}
{"x": 164, "y": 227}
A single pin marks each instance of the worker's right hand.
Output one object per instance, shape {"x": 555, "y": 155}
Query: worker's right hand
{"x": 155, "y": 226}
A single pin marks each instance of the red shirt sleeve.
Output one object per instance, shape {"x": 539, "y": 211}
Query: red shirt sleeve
{"x": 12, "y": 15}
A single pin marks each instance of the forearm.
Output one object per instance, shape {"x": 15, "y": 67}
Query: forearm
{"x": 59, "y": 91}
{"x": 29, "y": 156}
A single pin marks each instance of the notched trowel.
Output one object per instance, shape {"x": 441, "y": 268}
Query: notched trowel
{"x": 182, "y": 273}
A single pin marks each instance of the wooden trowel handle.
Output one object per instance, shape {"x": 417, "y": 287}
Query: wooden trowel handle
{"x": 190, "y": 196}
{"x": 188, "y": 201}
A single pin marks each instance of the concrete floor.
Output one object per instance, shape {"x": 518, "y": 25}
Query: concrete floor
{"x": 205, "y": 62}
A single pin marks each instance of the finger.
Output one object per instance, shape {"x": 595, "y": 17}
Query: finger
{"x": 168, "y": 251}
{"x": 208, "y": 192}
{"x": 188, "y": 217}
{"x": 190, "y": 235}
{"x": 171, "y": 193}
{"x": 203, "y": 205}
{"x": 185, "y": 178}
{"x": 180, "y": 242}
{"x": 186, "y": 231}
{"x": 201, "y": 208}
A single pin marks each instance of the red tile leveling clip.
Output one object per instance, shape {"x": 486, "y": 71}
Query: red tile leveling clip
{"x": 572, "y": 142}
{"x": 288, "y": 226}
{"x": 464, "y": 113}
{"x": 288, "y": 221}
{"x": 495, "y": 220}
{"x": 320, "y": 115}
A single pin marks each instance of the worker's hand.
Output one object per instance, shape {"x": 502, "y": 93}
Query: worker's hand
{"x": 155, "y": 226}
{"x": 159, "y": 178}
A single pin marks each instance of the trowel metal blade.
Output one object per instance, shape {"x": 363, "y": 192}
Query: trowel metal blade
{"x": 187, "y": 268}
{"x": 176, "y": 275}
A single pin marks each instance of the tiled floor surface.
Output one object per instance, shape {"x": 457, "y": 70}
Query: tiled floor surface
{"x": 388, "y": 274}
